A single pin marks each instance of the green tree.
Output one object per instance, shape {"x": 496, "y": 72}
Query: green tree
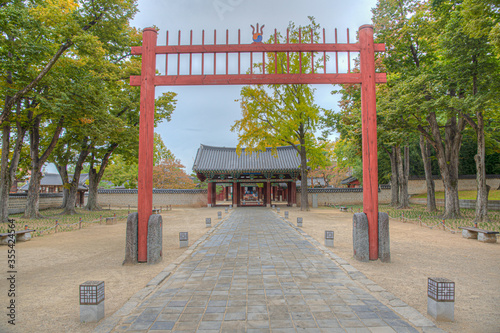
{"x": 279, "y": 115}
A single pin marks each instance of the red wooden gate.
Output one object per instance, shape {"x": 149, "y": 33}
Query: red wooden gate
{"x": 149, "y": 80}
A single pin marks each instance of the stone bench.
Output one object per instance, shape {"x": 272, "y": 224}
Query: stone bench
{"x": 21, "y": 236}
{"x": 481, "y": 235}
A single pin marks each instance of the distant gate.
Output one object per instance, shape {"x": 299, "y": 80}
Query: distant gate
{"x": 148, "y": 80}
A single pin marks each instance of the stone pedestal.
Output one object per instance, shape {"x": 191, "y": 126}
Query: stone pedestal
{"x": 360, "y": 237}
{"x": 384, "y": 244}
{"x": 131, "y": 239}
{"x": 183, "y": 243}
{"x": 27, "y": 236}
{"x": 155, "y": 239}
{"x": 299, "y": 222}
{"x": 487, "y": 238}
{"x": 208, "y": 222}
{"x": 91, "y": 313}
{"x": 219, "y": 215}
{"x": 469, "y": 234}
{"x": 442, "y": 311}
{"x": 286, "y": 214}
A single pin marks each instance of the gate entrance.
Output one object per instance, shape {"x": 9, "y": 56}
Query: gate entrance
{"x": 148, "y": 80}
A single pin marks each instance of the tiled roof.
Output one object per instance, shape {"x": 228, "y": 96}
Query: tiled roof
{"x": 226, "y": 159}
{"x": 348, "y": 180}
{"x": 54, "y": 179}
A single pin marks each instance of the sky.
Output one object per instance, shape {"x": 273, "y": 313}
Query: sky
{"x": 205, "y": 114}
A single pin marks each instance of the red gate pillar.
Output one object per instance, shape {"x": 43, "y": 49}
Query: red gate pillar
{"x": 146, "y": 143}
{"x": 369, "y": 127}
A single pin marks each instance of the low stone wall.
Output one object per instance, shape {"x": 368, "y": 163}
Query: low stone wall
{"x": 179, "y": 198}
{"x": 469, "y": 204}
{"x": 343, "y": 196}
{"x": 465, "y": 183}
{"x": 17, "y": 201}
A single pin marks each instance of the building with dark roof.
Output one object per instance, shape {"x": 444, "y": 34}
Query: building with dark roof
{"x": 264, "y": 174}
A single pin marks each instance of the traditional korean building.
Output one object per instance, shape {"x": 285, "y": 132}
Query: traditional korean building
{"x": 258, "y": 178}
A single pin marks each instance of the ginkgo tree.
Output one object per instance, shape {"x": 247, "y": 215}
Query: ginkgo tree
{"x": 277, "y": 115}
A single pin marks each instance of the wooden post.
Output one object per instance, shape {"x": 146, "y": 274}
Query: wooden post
{"x": 235, "y": 194}
{"x": 209, "y": 194}
{"x": 146, "y": 144}
{"x": 269, "y": 195}
{"x": 369, "y": 130}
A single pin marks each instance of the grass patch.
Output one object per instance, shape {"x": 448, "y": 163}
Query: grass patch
{"x": 418, "y": 213}
{"x": 47, "y": 223}
{"x": 464, "y": 195}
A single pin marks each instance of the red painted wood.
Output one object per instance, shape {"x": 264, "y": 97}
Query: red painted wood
{"x": 369, "y": 128}
{"x": 258, "y": 47}
{"x": 268, "y": 193}
{"x": 235, "y": 195}
{"x": 209, "y": 193}
{"x": 244, "y": 79}
{"x": 146, "y": 134}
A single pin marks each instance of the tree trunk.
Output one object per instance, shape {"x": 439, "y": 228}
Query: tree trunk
{"x": 304, "y": 202}
{"x": 32, "y": 203}
{"x": 481, "y": 214}
{"x": 403, "y": 166}
{"x": 93, "y": 186}
{"x": 73, "y": 186}
{"x": 95, "y": 177}
{"x": 394, "y": 177}
{"x": 63, "y": 172}
{"x": 431, "y": 195}
{"x": 8, "y": 173}
{"x": 4, "y": 174}
{"x": 33, "y": 198}
{"x": 447, "y": 156}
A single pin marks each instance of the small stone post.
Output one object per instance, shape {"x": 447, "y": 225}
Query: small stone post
{"x": 286, "y": 214}
{"x": 329, "y": 238}
{"x": 183, "y": 239}
{"x": 299, "y": 222}
{"x": 219, "y": 215}
{"x": 208, "y": 222}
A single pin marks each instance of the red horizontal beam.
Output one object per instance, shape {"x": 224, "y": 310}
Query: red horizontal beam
{"x": 245, "y": 79}
{"x": 257, "y": 47}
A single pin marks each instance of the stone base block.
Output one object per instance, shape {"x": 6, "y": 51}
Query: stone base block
{"x": 360, "y": 240}
{"x": 443, "y": 311}
{"x": 487, "y": 238}
{"x": 384, "y": 244}
{"x": 131, "y": 239}
{"x": 469, "y": 234}
{"x": 299, "y": 224}
{"x": 27, "y": 236}
{"x": 155, "y": 239}
{"x": 208, "y": 225}
{"x": 329, "y": 242}
{"x": 183, "y": 243}
{"x": 91, "y": 313}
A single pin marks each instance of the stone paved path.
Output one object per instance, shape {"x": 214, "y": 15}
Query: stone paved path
{"x": 257, "y": 274}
